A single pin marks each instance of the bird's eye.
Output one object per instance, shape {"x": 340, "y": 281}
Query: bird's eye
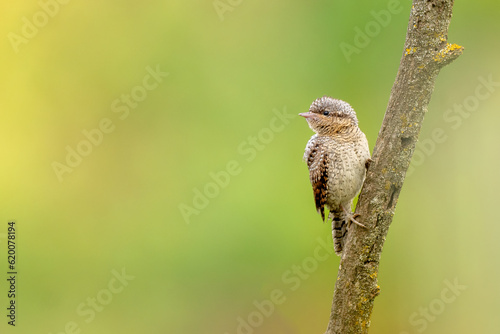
{"x": 326, "y": 112}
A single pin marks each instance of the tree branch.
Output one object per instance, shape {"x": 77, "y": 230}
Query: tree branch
{"x": 426, "y": 51}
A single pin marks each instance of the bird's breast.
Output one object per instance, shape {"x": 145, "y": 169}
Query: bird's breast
{"x": 347, "y": 169}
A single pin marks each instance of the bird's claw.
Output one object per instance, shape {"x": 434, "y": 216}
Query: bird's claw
{"x": 351, "y": 218}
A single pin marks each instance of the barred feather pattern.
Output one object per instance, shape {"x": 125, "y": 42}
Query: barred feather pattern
{"x": 317, "y": 162}
{"x": 339, "y": 231}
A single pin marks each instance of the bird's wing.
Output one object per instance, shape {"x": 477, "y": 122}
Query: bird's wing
{"x": 317, "y": 162}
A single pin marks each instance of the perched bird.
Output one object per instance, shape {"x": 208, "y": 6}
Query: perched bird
{"x": 337, "y": 157}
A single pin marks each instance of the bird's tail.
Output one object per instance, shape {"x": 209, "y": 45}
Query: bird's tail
{"x": 339, "y": 231}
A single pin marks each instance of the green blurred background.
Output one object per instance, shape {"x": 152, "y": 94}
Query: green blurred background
{"x": 121, "y": 207}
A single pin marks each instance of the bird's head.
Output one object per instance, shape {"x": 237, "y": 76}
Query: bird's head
{"x": 328, "y": 116}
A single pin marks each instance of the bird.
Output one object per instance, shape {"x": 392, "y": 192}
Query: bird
{"x": 337, "y": 157}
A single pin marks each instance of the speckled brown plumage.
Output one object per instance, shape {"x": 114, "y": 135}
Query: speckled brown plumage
{"x": 337, "y": 157}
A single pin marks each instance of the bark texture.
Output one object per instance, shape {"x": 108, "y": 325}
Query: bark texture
{"x": 426, "y": 51}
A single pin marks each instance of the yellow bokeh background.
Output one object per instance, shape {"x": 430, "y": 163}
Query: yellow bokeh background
{"x": 124, "y": 206}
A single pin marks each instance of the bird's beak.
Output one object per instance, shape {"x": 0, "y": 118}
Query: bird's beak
{"x": 307, "y": 115}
